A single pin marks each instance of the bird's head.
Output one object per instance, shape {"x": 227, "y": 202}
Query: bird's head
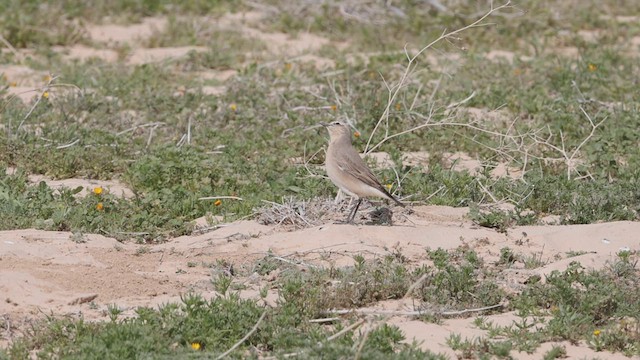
{"x": 338, "y": 130}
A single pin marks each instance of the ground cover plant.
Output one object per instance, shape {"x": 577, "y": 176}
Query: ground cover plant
{"x": 598, "y": 307}
{"x": 542, "y": 96}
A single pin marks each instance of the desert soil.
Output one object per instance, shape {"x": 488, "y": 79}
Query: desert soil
{"x": 43, "y": 272}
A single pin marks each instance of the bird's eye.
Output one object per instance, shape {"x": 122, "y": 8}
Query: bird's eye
{"x": 336, "y": 123}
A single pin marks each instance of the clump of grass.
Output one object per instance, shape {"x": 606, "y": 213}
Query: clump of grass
{"x": 215, "y": 324}
{"x": 585, "y": 304}
{"x": 30, "y": 23}
{"x": 361, "y": 285}
{"x": 556, "y": 352}
{"x": 458, "y": 280}
{"x": 598, "y": 307}
{"x": 498, "y": 220}
{"x": 508, "y": 258}
{"x": 200, "y": 327}
{"x": 292, "y": 212}
{"x": 42, "y": 207}
{"x": 480, "y": 347}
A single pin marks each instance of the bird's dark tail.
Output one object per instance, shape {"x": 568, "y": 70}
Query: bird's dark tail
{"x": 398, "y": 202}
{"x": 391, "y": 197}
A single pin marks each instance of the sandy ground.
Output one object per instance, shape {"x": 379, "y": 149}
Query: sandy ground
{"x": 47, "y": 272}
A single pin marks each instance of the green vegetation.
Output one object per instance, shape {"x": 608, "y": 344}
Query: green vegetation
{"x": 599, "y": 307}
{"x": 127, "y": 121}
{"x": 565, "y": 124}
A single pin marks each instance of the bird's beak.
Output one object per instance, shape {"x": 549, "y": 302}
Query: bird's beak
{"x": 324, "y": 124}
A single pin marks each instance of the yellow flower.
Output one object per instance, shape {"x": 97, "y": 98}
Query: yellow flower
{"x": 99, "y": 206}
{"x": 389, "y": 186}
{"x": 217, "y": 202}
{"x": 45, "y": 94}
{"x": 287, "y": 66}
{"x": 398, "y": 106}
{"x": 334, "y": 107}
{"x": 233, "y": 107}
{"x": 596, "y": 332}
{"x": 13, "y": 84}
{"x": 196, "y": 346}
{"x": 356, "y": 134}
{"x": 97, "y": 190}
{"x": 592, "y": 67}
{"x": 46, "y": 78}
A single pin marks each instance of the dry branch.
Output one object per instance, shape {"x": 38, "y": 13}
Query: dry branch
{"x": 409, "y": 313}
{"x": 394, "y": 91}
{"x": 10, "y": 47}
{"x": 235, "y": 346}
{"x": 220, "y": 197}
{"x": 43, "y": 90}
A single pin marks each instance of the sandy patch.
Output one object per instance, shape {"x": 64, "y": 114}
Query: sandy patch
{"x": 214, "y": 90}
{"x": 504, "y": 170}
{"x": 505, "y": 55}
{"x": 623, "y": 19}
{"x": 501, "y": 55}
{"x": 219, "y": 75}
{"x": 120, "y": 34}
{"x": 23, "y": 75}
{"x": 379, "y": 159}
{"x": 280, "y": 44}
{"x": 285, "y": 45}
{"x": 416, "y": 158}
{"x": 590, "y": 36}
{"x": 477, "y": 115}
{"x": 441, "y": 62}
{"x": 457, "y": 161}
{"x": 566, "y": 51}
{"x": 111, "y": 186}
{"x": 26, "y": 94}
{"x": 83, "y": 53}
{"x": 277, "y": 43}
{"x": 143, "y": 56}
{"x": 460, "y": 161}
{"x": 321, "y": 63}
{"x": 24, "y": 82}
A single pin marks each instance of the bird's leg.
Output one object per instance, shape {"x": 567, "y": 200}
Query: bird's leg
{"x": 354, "y": 210}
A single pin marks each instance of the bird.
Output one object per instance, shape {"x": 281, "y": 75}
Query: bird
{"x": 348, "y": 171}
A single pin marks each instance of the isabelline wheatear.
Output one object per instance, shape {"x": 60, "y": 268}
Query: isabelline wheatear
{"x": 348, "y": 171}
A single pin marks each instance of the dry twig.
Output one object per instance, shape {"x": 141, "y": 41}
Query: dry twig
{"x": 220, "y": 197}
{"x": 235, "y": 346}
{"x": 394, "y": 91}
{"x": 409, "y": 313}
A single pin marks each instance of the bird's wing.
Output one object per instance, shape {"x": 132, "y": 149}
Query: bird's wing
{"x": 353, "y": 165}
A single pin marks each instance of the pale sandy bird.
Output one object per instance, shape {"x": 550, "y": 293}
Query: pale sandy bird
{"x": 348, "y": 171}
